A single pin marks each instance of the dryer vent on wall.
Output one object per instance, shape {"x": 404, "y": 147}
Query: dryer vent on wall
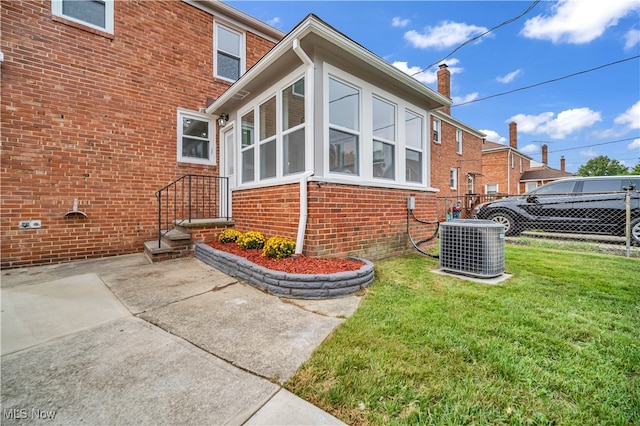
{"x": 472, "y": 247}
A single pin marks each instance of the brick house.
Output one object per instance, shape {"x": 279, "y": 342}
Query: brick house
{"x": 541, "y": 173}
{"x": 503, "y": 165}
{"x": 456, "y": 152}
{"x": 93, "y": 97}
{"x": 319, "y": 139}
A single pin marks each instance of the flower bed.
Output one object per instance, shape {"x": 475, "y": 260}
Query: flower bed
{"x": 284, "y": 284}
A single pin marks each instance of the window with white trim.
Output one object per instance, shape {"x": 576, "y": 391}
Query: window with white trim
{"x": 229, "y": 62}
{"x": 344, "y": 128}
{"x": 458, "y": 141}
{"x": 530, "y": 186}
{"x": 195, "y": 138}
{"x": 491, "y": 188}
{"x": 273, "y": 135}
{"x": 437, "y": 124}
{"x": 384, "y": 139}
{"x": 520, "y": 164}
{"x": 96, "y": 14}
{"x": 414, "y": 146}
{"x": 513, "y": 162}
{"x": 453, "y": 178}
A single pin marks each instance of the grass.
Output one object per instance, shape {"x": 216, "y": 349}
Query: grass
{"x": 559, "y": 343}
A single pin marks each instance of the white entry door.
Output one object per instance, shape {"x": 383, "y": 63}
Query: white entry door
{"x": 227, "y": 166}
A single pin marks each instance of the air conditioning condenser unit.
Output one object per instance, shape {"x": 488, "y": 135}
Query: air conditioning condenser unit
{"x": 472, "y": 247}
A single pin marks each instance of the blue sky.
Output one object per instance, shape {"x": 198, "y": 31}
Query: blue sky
{"x": 580, "y": 117}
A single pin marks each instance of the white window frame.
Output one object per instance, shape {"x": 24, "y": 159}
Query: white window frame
{"x": 367, "y": 91}
{"x": 242, "y": 49}
{"x": 453, "y": 178}
{"x": 486, "y": 188}
{"x": 57, "y": 10}
{"x": 437, "y": 130}
{"x": 384, "y": 141}
{"x": 530, "y": 186}
{"x": 211, "y": 161}
{"x": 277, "y": 91}
{"x": 458, "y": 141}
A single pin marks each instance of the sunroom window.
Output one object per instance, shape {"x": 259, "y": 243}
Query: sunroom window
{"x": 344, "y": 128}
{"x": 414, "y": 146}
{"x": 293, "y": 128}
{"x": 268, "y": 139}
{"x": 247, "y": 148}
{"x": 384, "y": 139}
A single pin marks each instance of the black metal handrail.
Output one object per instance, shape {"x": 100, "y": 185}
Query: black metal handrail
{"x": 192, "y": 197}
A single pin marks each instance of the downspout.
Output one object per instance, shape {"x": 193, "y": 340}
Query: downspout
{"x": 304, "y": 179}
{"x": 304, "y": 208}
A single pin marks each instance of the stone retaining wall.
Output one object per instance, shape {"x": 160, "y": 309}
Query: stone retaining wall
{"x": 297, "y": 286}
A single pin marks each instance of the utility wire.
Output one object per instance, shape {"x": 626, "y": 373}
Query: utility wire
{"x": 472, "y": 39}
{"x": 548, "y": 81}
{"x": 595, "y": 144}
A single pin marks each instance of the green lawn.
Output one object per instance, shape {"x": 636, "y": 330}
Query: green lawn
{"x": 558, "y": 343}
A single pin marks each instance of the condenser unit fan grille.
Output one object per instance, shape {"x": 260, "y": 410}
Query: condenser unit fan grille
{"x": 472, "y": 247}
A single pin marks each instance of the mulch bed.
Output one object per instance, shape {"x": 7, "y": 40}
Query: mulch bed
{"x": 298, "y": 265}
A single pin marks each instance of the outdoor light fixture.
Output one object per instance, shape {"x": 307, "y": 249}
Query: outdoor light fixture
{"x": 222, "y": 120}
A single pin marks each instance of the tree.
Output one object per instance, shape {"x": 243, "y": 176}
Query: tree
{"x": 635, "y": 170}
{"x": 602, "y": 166}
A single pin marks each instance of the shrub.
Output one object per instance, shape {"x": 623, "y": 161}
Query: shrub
{"x": 251, "y": 240}
{"x": 279, "y": 247}
{"x": 229, "y": 236}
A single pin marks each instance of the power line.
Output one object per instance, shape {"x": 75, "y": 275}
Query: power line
{"x": 508, "y": 21}
{"x": 548, "y": 81}
{"x": 595, "y": 144}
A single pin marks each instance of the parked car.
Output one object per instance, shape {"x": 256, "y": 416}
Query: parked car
{"x": 590, "y": 205}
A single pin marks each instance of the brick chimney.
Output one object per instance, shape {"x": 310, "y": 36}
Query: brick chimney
{"x": 545, "y": 159}
{"x": 513, "y": 135}
{"x": 562, "y": 163}
{"x": 444, "y": 85}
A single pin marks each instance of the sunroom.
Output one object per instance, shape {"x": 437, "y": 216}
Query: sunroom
{"x": 323, "y": 141}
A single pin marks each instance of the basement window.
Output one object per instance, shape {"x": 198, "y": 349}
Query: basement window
{"x": 195, "y": 138}
{"x": 97, "y": 14}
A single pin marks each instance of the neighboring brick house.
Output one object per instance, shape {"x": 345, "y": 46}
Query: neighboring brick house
{"x": 456, "y": 153}
{"x": 503, "y": 165}
{"x": 541, "y": 173}
{"x": 93, "y": 98}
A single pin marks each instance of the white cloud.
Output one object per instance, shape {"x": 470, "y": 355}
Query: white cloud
{"x": 589, "y": 153}
{"x": 427, "y": 76}
{"x": 529, "y": 149}
{"x": 632, "y": 38}
{"x": 557, "y": 127}
{"x": 578, "y": 22}
{"x": 494, "y": 136}
{"x": 635, "y": 144}
{"x": 509, "y": 77}
{"x": 274, "y": 21}
{"x": 399, "y": 22}
{"x": 445, "y": 35}
{"x": 457, "y": 100}
{"x": 631, "y": 117}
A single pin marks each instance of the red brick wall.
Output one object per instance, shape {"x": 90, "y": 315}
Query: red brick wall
{"x": 444, "y": 157}
{"x": 342, "y": 220}
{"x": 93, "y": 117}
{"x": 496, "y": 166}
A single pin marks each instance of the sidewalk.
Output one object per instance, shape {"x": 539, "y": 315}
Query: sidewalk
{"x": 121, "y": 341}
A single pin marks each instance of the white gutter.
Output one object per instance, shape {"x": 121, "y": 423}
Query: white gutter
{"x": 304, "y": 207}
{"x": 301, "y": 53}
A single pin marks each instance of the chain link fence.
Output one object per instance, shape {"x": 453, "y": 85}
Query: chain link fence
{"x": 605, "y": 217}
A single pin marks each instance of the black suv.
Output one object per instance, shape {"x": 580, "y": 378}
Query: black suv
{"x": 589, "y": 205}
